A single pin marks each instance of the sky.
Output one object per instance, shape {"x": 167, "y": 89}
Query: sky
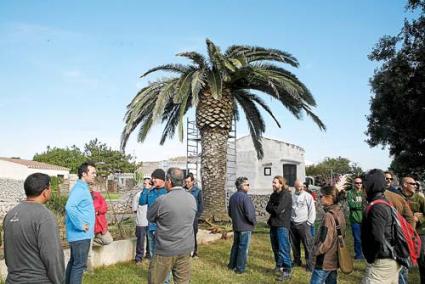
{"x": 68, "y": 69}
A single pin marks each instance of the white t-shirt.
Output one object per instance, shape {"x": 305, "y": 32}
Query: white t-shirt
{"x": 140, "y": 210}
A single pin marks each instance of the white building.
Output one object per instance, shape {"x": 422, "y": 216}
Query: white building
{"x": 280, "y": 158}
{"x": 19, "y": 169}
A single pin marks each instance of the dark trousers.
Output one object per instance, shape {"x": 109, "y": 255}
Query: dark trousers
{"x": 77, "y": 262}
{"x": 421, "y": 262}
{"x": 302, "y": 233}
{"x": 141, "y": 235}
{"x": 355, "y": 229}
{"x": 195, "y": 232}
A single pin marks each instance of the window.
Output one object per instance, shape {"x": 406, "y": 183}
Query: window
{"x": 267, "y": 171}
{"x": 290, "y": 173}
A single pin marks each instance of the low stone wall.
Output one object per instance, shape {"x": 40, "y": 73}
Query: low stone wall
{"x": 11, "y": 192}
{"x": 117, "y": 251}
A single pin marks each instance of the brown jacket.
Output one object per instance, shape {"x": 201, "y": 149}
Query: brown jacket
{"x": 325, "y": 244}
{"x": 401, "y": 205}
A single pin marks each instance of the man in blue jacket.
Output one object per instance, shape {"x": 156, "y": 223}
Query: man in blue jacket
{"x": 79, "y": 223}
{"x": 242, "y": 211}
{"x": 197, "y": 193}
{"x": 148, "y": 197}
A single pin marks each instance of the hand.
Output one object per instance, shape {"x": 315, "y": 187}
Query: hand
{"x": 85, "y": 227}
{"x": 417, "y": 215}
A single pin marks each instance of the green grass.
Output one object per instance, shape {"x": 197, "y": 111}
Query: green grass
{"x": 111, "y": 195}
{"x": 211, "y": 267}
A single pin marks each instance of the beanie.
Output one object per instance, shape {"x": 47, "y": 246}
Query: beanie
{"x": 159, "y": 174}
{"x": 374, "y": 181}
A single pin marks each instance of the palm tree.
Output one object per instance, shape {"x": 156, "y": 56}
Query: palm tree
{"x": 216, "y": 87}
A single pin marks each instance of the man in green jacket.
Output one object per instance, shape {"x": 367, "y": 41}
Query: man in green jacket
{"x": 417, "y": 204}
{"x": 356, "y": 202}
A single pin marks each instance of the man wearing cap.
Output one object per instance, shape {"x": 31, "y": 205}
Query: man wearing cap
{"x": 141, "y": 222}
{"x": 32, "y": 249}
{"x": 149, "y": 197}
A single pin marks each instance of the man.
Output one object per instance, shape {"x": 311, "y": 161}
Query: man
{"x": 174, "y": 214}
{"x": 417, "y": 204}
{"x": 303, "y": 217}
{"x": 279, "y": 207}
{"x": 356, "y": 202}
{"x": 242, "y": 212}
{"x": 141, "y": 222}
{"x": 79, "y": 222}
{"x": 102, "y": 236}
{"x": 377, "y": 233}
{"x": 390, "y": 185}
{"x": 197, "y": 194}
{"x": 148, "y": 197}
{"x": 32, "y": 248}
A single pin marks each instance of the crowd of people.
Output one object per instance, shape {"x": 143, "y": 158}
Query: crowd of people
{"x": 167, "y": 210}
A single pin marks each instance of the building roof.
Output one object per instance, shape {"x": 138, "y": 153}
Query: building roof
{"x": 274, "y": 140}
{"x": 34, "y": 165}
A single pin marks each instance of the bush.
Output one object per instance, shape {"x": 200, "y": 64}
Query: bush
{"x": 57, "y": 203}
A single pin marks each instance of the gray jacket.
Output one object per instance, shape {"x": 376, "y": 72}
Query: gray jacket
{"x": 174, "y": 214}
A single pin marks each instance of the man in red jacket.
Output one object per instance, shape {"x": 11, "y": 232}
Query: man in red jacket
{"x": 101, "y": 234}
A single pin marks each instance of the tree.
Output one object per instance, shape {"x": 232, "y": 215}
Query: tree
{"x": 216, "y": 88}
{"x": 397, "y": 117}
{"x": 107, "y": 160}
{"x": 330, "y": 168}
{"x": 69, "y": 157}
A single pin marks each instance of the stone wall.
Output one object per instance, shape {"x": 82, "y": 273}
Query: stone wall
{"x": 11, "y": 192}
{"x": 260, "y": 203}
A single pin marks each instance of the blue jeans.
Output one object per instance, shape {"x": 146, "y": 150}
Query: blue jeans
{"x": 355, "y": 228}
{"x": 151, "y": 242}
{"x": 77, "y": 262}
{"x": 239, "y": 252}
{"x": 320, "y": 276}
{"x": 279, "y": 238}
{"x": 403, "y": 277}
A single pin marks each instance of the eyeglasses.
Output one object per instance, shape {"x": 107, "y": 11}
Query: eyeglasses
{"x": 358, "y": 183}
{"x": 246, "y": 184}
{"x": 411, "y": 183}
{"x": 388, "y": 178}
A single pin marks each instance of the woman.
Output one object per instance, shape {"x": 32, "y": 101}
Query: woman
{"x": 326, "y": 242}
{"x": 102, "y": 235}
{"x": 279, "y": 207}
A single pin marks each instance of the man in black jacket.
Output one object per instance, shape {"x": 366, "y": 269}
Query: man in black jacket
{"x": 377, "y": 233}
{"x": 280, "y": 207}
{"x": 242, "y": 211}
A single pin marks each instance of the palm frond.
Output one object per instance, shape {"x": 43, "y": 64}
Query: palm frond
{"x": 195, "y": 57}
{"x": 177, "y": 68}
{"x": 215, "y": 83}
{"x": 315, "y": 118}
{"x": 255, "y": 121}
{"x": 259, "y": 101}
{"x": 255, "y": 53}
{"x": 198, "y": 84}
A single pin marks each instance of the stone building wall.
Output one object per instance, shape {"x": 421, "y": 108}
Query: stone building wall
{"x": 11, "y": 192}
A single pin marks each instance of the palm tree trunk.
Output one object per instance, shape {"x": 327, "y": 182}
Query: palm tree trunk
{"x": 214, "y": 171}
{"x": 214, "y": 121}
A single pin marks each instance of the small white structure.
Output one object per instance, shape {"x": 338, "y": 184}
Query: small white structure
{"x": 19, "y": 169}
{"x": 280, "y": 158}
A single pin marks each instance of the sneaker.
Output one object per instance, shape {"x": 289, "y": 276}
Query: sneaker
{"x": 297, "y": 263}
{"x": 195, "y": 255}
{"x": 285, "y": 276}
{"x": 278, "y": 271}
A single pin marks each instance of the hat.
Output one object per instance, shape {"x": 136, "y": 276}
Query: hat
{"x": 159, "y": 174}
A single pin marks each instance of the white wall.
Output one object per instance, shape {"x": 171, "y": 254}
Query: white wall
{"x": 276, "y": 153}
{"x": 13, "y": 171}
{"x": 20, "y": 172}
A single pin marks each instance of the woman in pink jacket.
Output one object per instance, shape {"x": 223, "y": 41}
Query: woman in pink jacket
{"x": 102, "y": 235}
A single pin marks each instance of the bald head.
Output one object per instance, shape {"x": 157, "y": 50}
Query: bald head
{"x": 299, "y": 186}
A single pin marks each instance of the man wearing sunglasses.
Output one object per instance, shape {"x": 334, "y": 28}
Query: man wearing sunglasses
{"x": 356, "y": 202}
{"x": 32, "y": 248}
{"x": 417, "y": 204}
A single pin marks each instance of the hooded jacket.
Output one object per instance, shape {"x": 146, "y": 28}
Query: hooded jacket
{"x": 377, "y": 223}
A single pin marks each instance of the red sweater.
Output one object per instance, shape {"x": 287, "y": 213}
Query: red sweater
{"x": 100, "y": 208}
